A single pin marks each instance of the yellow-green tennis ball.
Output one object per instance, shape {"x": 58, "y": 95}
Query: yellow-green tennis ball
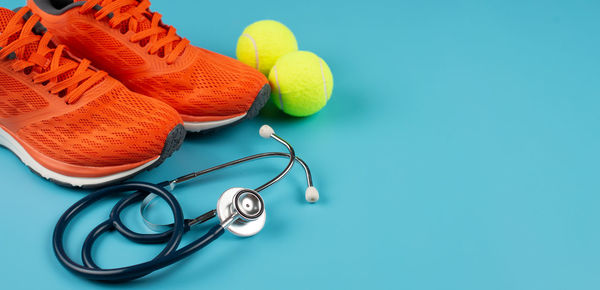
{"x": 301, "y": 83}
{"x": 263, "y": 42}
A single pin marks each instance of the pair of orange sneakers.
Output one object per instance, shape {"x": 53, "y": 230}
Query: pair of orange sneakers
{"x": 93, "y": 92}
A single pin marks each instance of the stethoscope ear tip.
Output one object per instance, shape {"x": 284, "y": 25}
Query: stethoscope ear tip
{"x": 266, "y": 131}
{"x": 312, "y": 194}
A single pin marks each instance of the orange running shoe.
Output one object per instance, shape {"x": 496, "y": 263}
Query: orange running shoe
{"x": 126, "y": 39}
{"x": 71, "y": 123}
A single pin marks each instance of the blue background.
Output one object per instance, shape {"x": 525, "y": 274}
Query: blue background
{"x": 459, "y": 151}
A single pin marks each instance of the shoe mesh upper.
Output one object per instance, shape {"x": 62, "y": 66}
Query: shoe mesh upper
{"x": 215, "y": 85}
{"x": 17, "y": 99}
{"x": 119, "y": 127}
{"x": 5, "y": 16}
{"x": 211, "y": 85}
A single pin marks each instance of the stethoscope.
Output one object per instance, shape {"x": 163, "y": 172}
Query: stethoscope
{"x": 240, "y": 210}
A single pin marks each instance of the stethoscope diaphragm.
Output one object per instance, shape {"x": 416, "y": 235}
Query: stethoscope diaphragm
{"x": 245, "y": 203}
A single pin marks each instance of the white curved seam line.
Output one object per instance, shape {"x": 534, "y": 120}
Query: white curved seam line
{"x": 278, "y": 87}
{"x": 324, "y": 82}
{"x": 255, "y": 48}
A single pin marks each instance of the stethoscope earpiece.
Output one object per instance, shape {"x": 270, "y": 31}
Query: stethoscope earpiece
{"x": 312, "y": 194}
{"x": 266, "y": 131}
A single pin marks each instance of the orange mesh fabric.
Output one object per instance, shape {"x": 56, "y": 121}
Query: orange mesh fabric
{"x": 119, "y": 127}
{"x": 17, "y": 99}
{"x": 214, "y": 85}
{"x": 114, "y": 128}
{"x": 28, "y": 50}
{"x": 144, "y": 23}
{"x": 91, "y": 40}
{"x": 207, "y": 84}
{"x": 5, "y": 16}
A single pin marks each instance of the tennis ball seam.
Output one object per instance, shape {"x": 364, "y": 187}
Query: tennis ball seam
{"x": 324, "y": 81}
{"x": 255, "y": 47}
{"x": 278, "y": 87}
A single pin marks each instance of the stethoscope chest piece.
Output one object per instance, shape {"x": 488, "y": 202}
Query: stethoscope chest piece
{"x": 241, "y": 211}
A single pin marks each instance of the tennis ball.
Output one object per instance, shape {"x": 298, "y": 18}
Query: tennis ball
{"x": 301, "y": 83}
{"x": 263, "y": 42}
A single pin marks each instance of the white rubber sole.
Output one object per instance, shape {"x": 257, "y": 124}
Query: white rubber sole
{"x": 202, "y": 126}
{"x": 9, "y": 142}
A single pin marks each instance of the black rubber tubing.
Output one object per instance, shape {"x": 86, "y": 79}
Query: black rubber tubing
{"x": 168, "y": 256}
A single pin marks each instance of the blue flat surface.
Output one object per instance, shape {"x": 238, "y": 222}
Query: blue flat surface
{"x": 460, "y": 150}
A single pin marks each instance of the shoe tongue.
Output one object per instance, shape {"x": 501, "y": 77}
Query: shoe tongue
{"x": 5, "y": 16}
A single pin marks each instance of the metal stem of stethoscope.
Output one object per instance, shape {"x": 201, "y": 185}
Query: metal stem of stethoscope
{"x": 292, "y": 153}
{"x": 266, "y": 132}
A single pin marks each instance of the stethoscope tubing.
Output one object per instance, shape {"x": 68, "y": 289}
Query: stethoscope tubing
{"x": 168, "y": 256}
{"x": 172, "y": 237}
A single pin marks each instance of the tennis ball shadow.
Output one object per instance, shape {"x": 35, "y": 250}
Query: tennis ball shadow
{"x": 270, "y": 112}
{"x": 345, "y": 102}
